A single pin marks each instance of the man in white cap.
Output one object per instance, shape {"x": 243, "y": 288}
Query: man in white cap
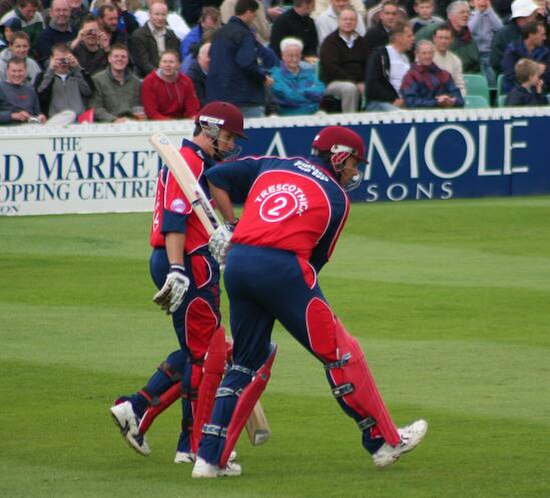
{"x": 523, "y": 11}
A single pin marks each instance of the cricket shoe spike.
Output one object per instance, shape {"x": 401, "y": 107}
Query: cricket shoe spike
{"x": 411, "y": 436}
{"x": 190, "y": 457}
{"x": 203, "y": 469}
{"x": 128, "y": 422}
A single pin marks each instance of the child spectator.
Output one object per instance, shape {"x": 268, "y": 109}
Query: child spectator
{"x": 483, "y": 24}
{"x": 424, "y": 10}
{"x": 529, "y": 85}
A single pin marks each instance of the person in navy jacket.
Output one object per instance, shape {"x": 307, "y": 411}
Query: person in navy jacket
{"x": 235, "y": 75}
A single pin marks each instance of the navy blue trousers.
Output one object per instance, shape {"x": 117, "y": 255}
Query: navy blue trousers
{"x": 265, "y": 285}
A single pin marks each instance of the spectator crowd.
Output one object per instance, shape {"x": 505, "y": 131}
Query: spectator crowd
{"x": 120, "y": 60}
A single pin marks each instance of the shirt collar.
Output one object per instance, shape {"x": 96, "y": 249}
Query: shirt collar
{"x": 208, "y": 161}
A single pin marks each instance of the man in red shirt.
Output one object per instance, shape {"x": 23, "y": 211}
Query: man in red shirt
{"x": 166, "y": 93}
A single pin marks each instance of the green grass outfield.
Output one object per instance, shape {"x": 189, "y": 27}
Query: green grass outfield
{"x": 451, "y": 301}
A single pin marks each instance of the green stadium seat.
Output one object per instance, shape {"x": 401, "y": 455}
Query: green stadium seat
{"x": 476, "y": 84}
{"x": 500, "y": 100}
{"x": 475, "y": 101}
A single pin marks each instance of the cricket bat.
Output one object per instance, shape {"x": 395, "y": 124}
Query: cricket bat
{"x": 256, "y": 426}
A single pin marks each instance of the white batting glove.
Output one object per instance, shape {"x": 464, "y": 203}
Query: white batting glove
{"x": 170, "y": 297}
{"x": 219, "y": 244}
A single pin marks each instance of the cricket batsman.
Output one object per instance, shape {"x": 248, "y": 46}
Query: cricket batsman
{"x": 294, "y": 212}
{"x": 187, "y": 277}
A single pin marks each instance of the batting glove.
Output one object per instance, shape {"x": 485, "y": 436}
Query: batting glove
{"x": 170, "y": 297}
{"x": 219, "y": 244}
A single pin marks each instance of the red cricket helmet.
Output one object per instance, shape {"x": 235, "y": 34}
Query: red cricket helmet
{"x": 340, "y": 141}
{"x": 221, "y": 116}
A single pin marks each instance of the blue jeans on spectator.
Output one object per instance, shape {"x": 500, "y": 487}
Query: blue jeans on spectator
{"x": 378, "y": 105}
{"x": 253, "y": 111}
{"x": 486, "y": 68}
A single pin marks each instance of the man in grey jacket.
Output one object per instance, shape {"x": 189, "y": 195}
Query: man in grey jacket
{"x": 19, "y": 47}
{"x": 116, "y": 97}
{"x": 63, "y": 85}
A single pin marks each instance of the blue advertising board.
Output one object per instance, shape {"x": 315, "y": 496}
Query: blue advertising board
{"x": 435, "y": 160}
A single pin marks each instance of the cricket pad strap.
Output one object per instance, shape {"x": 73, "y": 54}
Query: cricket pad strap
{"x": 355, "y": 386}
{"x": 246, "y": 403}
{"x": 166, "y": 399}
{"x": 214, "y": 368}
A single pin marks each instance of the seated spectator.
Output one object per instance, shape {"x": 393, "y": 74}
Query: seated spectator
{"x": 198, "y": 71}
{"x": 18, "y": 101}
{"x": 322, "y": 5}
{"x": 458, "y": 13}
{"x": 192, "y": 55}
{"x": 174, "y": 21}
{"x": 483, "y": 24}
{"x": 166, "y": 93}
{"x": 153, "y": 39}
{"x": 261, "y": 23}
{"x": 426, "y": 84}
{"x": 57, "y": 32}
{"x": 374, "y": 13}
{"x": 117, "y": 25}
{"x": 530, "y": 46}
{"x": 209, "y": 21}
{"x": 7, "y": 31}
{"x": 528, "y": 89}
{"x": 523, "y": 11}
{"x": 63, "y": 85}
{"x": 377, "y": 34}
{"x": 445, "y": 59}
{"x": 296, "y": 23}
{"x": 386, "y": 69}
{"x": 117, "y": 93}
{"x": 90, "y": 46}
{"x": 343, "y": 62}
{"x": 424, "y": 15}
{"x": 296, "y": 89}
{"x": 327, "y": 22}
{"x": 79, "y": 12}
{"x": 27, "y": 12}
{"x": 19, "y": 47}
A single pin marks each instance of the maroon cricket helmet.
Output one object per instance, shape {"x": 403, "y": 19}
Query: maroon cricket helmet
{"x": 223, "y": 116}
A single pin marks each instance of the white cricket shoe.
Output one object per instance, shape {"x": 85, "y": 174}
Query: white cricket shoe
{"x": 128, "y": 422}
{"x": 411, "y": 436}
{"x": 185, "y": 457}
{"x": 190, "y": 457}
{"x": 203, "y": 469}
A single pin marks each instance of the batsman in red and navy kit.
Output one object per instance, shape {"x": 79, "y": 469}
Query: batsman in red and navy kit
{"x": 187, "y": 277}
{"x": 294, "y": 212}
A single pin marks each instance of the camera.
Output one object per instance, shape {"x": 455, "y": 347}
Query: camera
{"x": 92, "y": 32}
{"x": 65, "y": 61}
{"x": 33, "y": 119}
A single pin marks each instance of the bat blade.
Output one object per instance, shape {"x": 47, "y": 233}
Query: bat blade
{"x": 257, "y": 427}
